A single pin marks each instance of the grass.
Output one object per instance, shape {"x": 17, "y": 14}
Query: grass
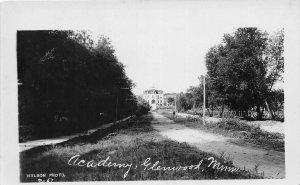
{"x": 236, "y": 128}
{"x": 130, "y": 142}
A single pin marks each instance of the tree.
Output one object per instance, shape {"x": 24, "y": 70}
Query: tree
{"x": 195, "y": 98}
{"x": 244, "y": 68}
{"x": 182, "y": 104}
{"x": 276, "y": 98}
{"x": 64, "y": 75}
{"x": 171, "y": 100}
{"x": 214, "y": 100}
{"x": 238, "y": 68}
{"x": 274, "y": 57}
{"x": 142, "y": 106}
{"x": 275, "y": 66}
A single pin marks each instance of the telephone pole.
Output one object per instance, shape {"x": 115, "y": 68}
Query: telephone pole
{"x": 117, "y": 102}
{"x": 175, "y": 105}
{"x": 203, "y": 117}
{"x": 117, "y": 109}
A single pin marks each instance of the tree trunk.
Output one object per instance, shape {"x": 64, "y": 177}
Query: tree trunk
{"x": 258, "y": 111}
{"x": 269, "y": 110}
{"x": 222, "y": 111}
{"x": 208, "y": 110}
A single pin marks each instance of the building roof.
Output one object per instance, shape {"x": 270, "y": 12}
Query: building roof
{"x": 170, "y": 94}
{"x": 153, "y": 91}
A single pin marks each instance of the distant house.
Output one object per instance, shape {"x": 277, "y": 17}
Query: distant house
{"x": 154, "y": 97}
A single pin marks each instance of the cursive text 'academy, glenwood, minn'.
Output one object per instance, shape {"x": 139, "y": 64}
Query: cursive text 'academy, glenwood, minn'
{"x": 146, "y": 164}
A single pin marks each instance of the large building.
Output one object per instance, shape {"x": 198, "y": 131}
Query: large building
{"x": 154, "y": 97}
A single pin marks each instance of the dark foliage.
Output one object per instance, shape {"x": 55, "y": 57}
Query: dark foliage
{"x": 68, "y": 83}
{"x": 142, "y": 107}
{"x": 244, "y": 69}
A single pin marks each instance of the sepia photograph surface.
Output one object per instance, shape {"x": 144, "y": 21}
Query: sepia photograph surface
{"x": 81, "y": 120}
{"x": 147, "y": 91}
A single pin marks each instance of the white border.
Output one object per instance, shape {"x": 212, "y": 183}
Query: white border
{"x": 73, "y": 15}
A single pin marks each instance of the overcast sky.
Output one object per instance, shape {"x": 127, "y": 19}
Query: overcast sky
{"x": 164, "y": 44}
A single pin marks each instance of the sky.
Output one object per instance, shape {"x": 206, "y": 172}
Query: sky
{"x": 163, "y": 44}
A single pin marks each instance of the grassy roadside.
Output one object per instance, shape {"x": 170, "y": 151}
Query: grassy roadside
{"x": 129, "y": 143}
{"x": 235, "y": 128}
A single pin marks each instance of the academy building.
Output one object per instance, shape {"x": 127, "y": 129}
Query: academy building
{"x": 154, "y": 97}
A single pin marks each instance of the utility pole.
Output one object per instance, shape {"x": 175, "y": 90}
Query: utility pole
{"x": 175, "y": 104}
{"x": 117, "y": 108}
{"x": 121, "y": 88}
{"x": 203, "y": 117}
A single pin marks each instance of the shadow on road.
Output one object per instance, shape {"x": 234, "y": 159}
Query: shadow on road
{"x": 90, "y": 138}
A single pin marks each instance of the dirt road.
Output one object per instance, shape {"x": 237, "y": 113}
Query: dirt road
{"x": 270, "y": 162}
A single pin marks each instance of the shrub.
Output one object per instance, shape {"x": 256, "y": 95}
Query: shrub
{"x": 237, "y": 125}
{"x": 143, "y": 107}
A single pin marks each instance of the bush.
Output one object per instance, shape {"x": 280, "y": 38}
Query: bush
{"x": 143, "y": 107}
{"x": 237, "y": 125}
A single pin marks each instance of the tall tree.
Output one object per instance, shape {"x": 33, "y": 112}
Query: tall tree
{"x": 64, "y": 75}
{"x": 196, "y": 96}
{"x": 275, "y": 67}
{"x": 244, "y": 68}
{"x": 238, "y": 69}
{"x": 181, "y": 102}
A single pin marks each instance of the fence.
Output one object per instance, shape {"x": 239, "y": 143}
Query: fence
{"x": 233, "y": 114}
{"x": 225, "y": 114}
{"x": 237, "y": 114}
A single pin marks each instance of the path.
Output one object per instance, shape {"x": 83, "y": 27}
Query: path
{"x": 51, "y": 141}
{"x": 269, "y": 161}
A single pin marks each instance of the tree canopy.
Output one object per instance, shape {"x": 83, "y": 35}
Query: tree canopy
{"x": 66, "y": 80}
{"x": 245, "y": 66}
{"x": 242, "y": 71}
